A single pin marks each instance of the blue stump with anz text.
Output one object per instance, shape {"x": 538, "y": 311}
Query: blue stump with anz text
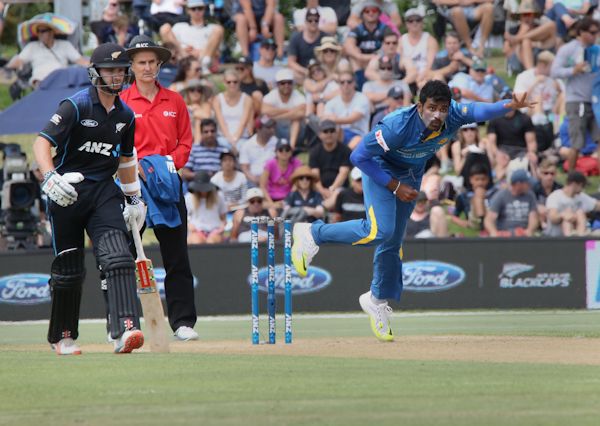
{"x": 271, "y": 223}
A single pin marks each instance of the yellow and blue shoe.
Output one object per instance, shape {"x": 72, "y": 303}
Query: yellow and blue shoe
{"x": 379, "y": 314}
{"x": 304, "y": 248}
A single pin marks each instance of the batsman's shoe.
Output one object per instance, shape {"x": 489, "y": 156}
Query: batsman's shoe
{"x": 379, "y": 314}
{"x": 66, "y": 347}
{"x": 304, "y": 248}
{"x": 129, "y": 340}
{"x": 186, "y": 333}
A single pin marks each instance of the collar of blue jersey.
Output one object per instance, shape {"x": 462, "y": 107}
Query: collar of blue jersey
{"x": 96, "y": 100}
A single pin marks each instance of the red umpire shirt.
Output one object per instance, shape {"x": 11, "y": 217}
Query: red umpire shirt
{"x": 161, "y": 126}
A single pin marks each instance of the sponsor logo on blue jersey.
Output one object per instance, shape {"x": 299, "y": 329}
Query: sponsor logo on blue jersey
{"x": 431, "y": 276}
{"x": 316, "y": 280}
{"x": 25, "y": 289}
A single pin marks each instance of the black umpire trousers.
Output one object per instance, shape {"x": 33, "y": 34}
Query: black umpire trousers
{"x": 179, "y": 281}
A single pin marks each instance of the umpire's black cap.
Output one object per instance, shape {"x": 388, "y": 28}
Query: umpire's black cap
{"x": 109, "y": 55}
{"x": 142, "y": 42}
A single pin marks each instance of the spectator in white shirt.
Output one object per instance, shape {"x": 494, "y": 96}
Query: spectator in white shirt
{"x": 286, "y": 106}
{"x": 47, "y": 54}
{"x": 258, "y": 150}
{"x": 197, "y": 38}
{"x": 567, "y": 208}
{"x": 350, "y": 109}
{"x": 327, "y": 18}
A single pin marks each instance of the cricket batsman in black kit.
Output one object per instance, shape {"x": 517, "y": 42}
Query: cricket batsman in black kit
{"x": 93, "y": 133}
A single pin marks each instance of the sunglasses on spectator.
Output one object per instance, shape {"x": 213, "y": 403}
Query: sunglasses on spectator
{"x": 197, "y": 8}
{"x": 390, "y": 43}
{"x": 411, "y": 20}
{"x": 209, "y": 130}
{"x": 231, "y": 81}
{"x": 285, "y": 82}
{"x": 255, "y": 201}
{"x": 304, "y": 178}
{"x": 285, "y": 149}
{"x": 329, "y": 131}
{"x": 329, "y": 51}
{"x": 528, "y": 15}
{"x": 346, "y": 81}
{"x": 270, "y": 47}
{"x": 240, "y": 68}
{"x": 312, "y": 21}
{"x": 44, "y": 30}
{"x": 371, "y": 10}
{"x": 195, "y": 90}
{"x": 386, "y": 68}
{"x": 592, "y": 32}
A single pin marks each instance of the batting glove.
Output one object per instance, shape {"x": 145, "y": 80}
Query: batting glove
{"x": 134, "y": 212}
{"x": 59, "y": 189}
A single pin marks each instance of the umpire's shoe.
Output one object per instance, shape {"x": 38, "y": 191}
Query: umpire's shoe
{"x": 379, "y": 315}
{"x": 66, "y": 347}
{"x": 129, "y": 340}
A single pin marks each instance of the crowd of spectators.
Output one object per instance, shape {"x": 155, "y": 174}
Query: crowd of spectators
{"x": 278, "y": 102}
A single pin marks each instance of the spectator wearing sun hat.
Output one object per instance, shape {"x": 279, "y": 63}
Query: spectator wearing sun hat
{"x": 206, "y": 211}
{"x": 304, "y": 204}
{"x": 46, "y": 54}
{"x": 286, "y": 106}
{"x": 329, "y": 55}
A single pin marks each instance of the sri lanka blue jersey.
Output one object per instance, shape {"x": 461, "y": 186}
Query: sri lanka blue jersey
{"x": 401, "y": 141}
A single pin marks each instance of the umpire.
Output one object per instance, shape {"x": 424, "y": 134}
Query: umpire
{"x": 163, "y": 136}
{"x": 93, "y": 133}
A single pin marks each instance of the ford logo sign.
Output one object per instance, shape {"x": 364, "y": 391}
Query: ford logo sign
{"x": 430, "y": 276}
{"x": 159, "y": 276}
{"x": 89, "y": 123}
{"x": 25, "y": 289}
{"x": 315, "y": 280}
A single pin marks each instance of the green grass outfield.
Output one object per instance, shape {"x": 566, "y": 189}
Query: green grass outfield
{"x": 311, "y": 382}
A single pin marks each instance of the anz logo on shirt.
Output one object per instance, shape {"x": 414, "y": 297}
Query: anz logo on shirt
{"x": 100, "y": 148}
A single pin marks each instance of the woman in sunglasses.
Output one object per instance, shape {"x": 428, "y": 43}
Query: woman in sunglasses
{"x": 233, "y": 111}
{"x": 329, "y": 55}
{"x": 276, "y": 182}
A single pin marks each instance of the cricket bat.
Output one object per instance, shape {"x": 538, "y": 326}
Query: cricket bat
{"x": 154, "y": 316}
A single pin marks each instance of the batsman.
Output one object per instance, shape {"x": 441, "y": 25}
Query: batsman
{"x": 93, "y": 135}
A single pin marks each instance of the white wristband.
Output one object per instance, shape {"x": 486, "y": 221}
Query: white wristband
{"x": 127, "y": 164}
{"x": 398, "y": 187}
{"x": 131, "y": 188}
